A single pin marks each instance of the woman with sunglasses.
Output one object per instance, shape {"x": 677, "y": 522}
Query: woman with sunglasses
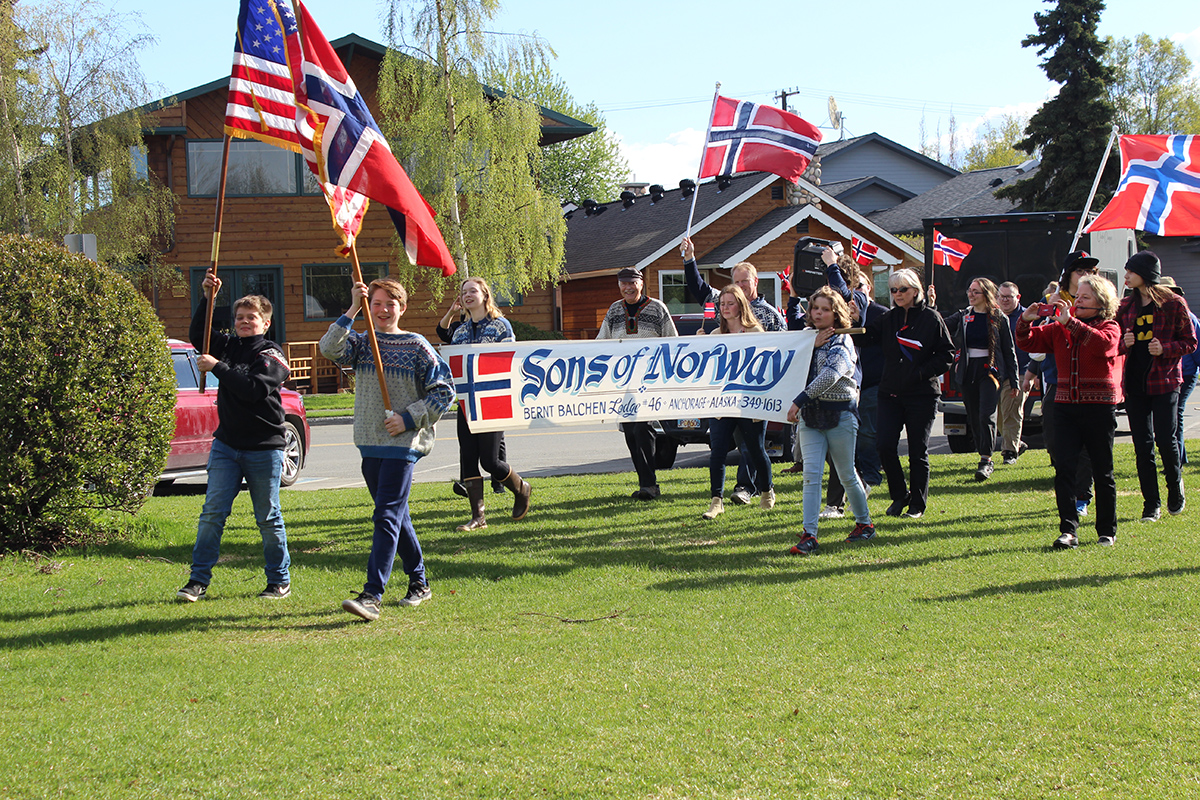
{"x": 916, "y": 352}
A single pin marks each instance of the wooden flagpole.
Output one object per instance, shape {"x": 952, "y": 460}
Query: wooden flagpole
{"x": 215, "y": 255}
{"x": 703, "y": 150}
{"x": 358, "y": 278}
{"x": 1095, "y": 185}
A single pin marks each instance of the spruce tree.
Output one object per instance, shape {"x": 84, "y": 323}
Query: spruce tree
{"x": 1070, "y": 131}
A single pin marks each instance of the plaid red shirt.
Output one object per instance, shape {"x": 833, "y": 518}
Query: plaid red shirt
{"x": 1173, "y": 329}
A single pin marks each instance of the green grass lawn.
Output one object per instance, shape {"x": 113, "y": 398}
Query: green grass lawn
{"x": 606, "y": 648}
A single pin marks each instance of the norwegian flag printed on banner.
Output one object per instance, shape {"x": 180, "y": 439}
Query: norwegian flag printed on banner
{"x": 949, "y": 252}
{"x": 1159, "y": 191}
{"x": 748, "y": 137}
{"x": 864, "y": 252}
{"x": 343, "y": 146}
{"x": 484, "y": 384}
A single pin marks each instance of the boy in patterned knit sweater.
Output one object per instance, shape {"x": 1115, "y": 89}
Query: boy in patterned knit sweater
{"x": 420, "y": 389}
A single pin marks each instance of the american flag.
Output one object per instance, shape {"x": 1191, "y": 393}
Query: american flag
{"x": 748, "y": 137}
{"x": 1159, "y": 191}
{"x": 344, "y": 147}
{"x": 261, "y": 102}
{"x": 949, "y": 252}
{"x": 864, "y": 252}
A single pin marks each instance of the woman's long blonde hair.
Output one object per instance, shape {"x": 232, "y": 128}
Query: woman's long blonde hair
{"x": 746, "y": 314}
{"x": 491, "y": 310}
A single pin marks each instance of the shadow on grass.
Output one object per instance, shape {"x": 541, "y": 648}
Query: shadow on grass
{"x": 1042, "y": 587}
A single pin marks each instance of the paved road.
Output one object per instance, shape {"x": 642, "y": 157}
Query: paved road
{"x": 334, "y": 462}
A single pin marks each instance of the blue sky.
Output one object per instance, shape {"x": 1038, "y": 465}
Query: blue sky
{"x": 651, "y": 66}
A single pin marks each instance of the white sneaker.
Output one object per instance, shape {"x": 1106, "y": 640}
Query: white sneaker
{"x": 741, "y": 497}
{"x": 768, "y": 499}
{"x": 715, "y": 510}
{"x": 831, "y": 512}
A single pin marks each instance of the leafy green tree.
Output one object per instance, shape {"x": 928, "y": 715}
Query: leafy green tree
{"x": 1153, "y": 91}
{"x": 993, "y": 145}
{"x": 588, "y": 166}
{"x": 1070, "y": 131}
{"x": 71, "y": 85}
{"x": 87, "y": 395}
{"x": 474, "y": 157}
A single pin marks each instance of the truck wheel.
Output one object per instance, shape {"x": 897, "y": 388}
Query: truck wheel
{"x": 665, "y": 450}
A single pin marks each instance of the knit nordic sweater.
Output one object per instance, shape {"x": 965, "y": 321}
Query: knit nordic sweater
{"x": 250, "y": 372}
{"x": 419, "y": 385}
{"x": 487, "y": 331}
{"x": 1087, "y": 356}
{"x": 653, "y": 319}
{"x": 833, "y": 368}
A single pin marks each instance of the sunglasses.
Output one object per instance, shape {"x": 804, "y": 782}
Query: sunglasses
{"x": 899, "y": 289}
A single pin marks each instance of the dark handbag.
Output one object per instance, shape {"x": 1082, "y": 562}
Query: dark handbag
{"x": 820, "y": 416}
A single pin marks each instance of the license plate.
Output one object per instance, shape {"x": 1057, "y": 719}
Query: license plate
{"x": 955, "y": 430}
{"x": 689, "y": 424}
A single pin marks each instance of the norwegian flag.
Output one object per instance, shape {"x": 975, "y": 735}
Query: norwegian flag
{"x": 784, "y": 284}
{"x": 484, "y": 385}
{"x": 344, "y": 147}
{"x": 1159, "y": 191}
{"x": 710, "y": 310}
{"x": 864, "y": 252}
{"x": 949, "y": 252}
{"x": 909, "y": 347}
{"x": 748, "y": 137}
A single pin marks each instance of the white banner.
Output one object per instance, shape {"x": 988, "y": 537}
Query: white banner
{"x": 547, "y": 383}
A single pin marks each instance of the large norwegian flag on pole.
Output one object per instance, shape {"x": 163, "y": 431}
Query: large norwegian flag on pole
{"x": 1159, "y": 191}
{"x": 344, "y": 146}
{"x": 749, "y": 137}
{"x": 262, "y": 103}
{"x": 949, "y": 252}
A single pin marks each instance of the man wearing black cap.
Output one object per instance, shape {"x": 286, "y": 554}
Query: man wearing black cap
{"x": 1076, "y": 264}
{"x": 636, "y": 316}
{"x": 1156, "y": 334}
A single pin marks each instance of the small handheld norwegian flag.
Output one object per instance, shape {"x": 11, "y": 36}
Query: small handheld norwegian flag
{"x": 710, "y": 310}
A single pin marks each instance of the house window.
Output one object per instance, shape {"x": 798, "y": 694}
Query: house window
{"x": 672, "y": 290}
{"x": 237, "y": 282}
{"x": 769, "y": 288}
{"x": 327, "y": 288}
{"x": 255, "y": 169}
{"x": 506, "y": 300}
{"x": 141, "y": 165}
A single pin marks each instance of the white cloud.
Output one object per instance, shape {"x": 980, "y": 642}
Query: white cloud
{"x": 665, "y": 162}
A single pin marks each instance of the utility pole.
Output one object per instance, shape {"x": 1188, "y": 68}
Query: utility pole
{"x": 783, "y": 95}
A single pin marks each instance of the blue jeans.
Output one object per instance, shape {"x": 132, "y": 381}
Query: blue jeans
{"x": 226, "y": 469}
{"x": 838, "y": 442}
{"x": 1185, "y": 391}
{"x": 389, "y": 481}
{"x": 720, "y": 437}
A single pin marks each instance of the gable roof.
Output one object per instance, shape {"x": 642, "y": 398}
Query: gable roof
{"x": 556, "y": 127}
{"x": 636, "y": 236}
{"x": 969, "y": 194}
{"x": 829, "y": 151}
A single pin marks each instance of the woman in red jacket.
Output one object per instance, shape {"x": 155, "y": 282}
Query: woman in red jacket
{"x": 1156, "y": 334}
{"x": 1085, "y": 341}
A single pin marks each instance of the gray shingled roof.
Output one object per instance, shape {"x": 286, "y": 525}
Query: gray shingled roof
{"x": 623, "y": 237}
{"x": 969, "y": 194}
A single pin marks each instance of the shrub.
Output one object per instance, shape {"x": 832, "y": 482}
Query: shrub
{"x": 526, "y": 332}
{"x": 87, "y": 395}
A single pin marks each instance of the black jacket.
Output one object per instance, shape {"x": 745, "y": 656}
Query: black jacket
{"x": 1004, "y": 359}
{"x": 911, "y": 370}
{"x": 250, "y": 373}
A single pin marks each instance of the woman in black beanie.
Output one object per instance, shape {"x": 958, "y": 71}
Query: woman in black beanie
{"x": 1156, "y": 334}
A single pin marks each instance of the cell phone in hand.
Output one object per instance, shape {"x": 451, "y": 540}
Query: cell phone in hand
{"x": 1047, "y": 310}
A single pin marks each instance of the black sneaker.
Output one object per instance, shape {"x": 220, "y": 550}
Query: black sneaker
{"x": 897, "y": 507}
{"x": 365, "y": 606}
{"x": 1107, "y": 541}
{"x": 647, "y": 493}
{"x": 417, "y": 594}
{"x": 862, "y": 532}
{"x": 984, "y": 470}
{"x": 460, "y": 489}
{"x": 806, "y": 546}
{"x": 497, "y": 487}
{"x": 1176, "y": 505}
{"x": 192, "y": 591}
{"x": 1151, "y": 513}
{"x": 1010, "y": 457}
{"x": 276, "y": 591}
{"x": 1066, "y": 541}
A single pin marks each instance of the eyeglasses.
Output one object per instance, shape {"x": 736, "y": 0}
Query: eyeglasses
{"x": 898, "y": 289}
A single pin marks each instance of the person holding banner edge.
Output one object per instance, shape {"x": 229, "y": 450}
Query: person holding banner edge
{"x": 420, "y": 385}
{"x": 484, "y": 324}
{"x": 737, "y": 317}
{"x": 637, "y": 316}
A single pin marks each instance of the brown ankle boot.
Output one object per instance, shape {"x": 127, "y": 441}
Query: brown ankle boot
{"x": 475, "y": 496}
{"x": 521, "y": 490}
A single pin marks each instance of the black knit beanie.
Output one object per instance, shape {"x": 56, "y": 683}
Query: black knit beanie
{"x": 1146, "y": 266}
